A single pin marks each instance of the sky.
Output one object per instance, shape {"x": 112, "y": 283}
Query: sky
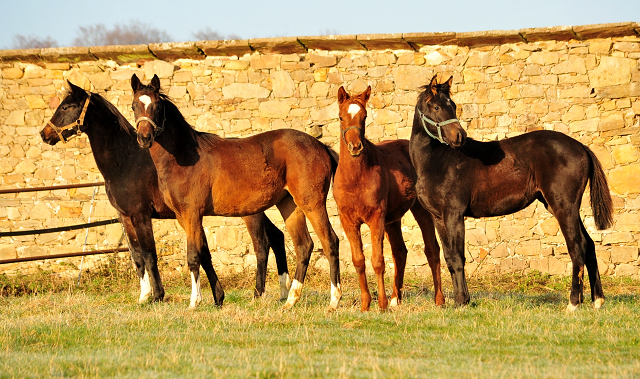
{"x": 61, "y": 20}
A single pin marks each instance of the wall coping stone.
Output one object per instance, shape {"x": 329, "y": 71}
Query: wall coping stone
{"x": 170, "y": 51}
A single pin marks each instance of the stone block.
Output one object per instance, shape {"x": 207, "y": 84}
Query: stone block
{"x": 612, "y": 71}
{"x": 529, "y": 248}
{"x": 318, "y": 60}
{"x": 123, "y": 54}
{"x": 557, "y": 266}
{"x": 244, "y": 91}
{"x": 625, "y": 179}
{"x": 624, "y": 254}
{"x": 158, "y": 67}
{"x": 411, "y": 77}
{"x": 627, "y": 153}
{"x": 385, "y": 116}
{"x": 283, "y": 85}
{"x": 626, "y": 270}
{"x": 274, "y": 109}
{"x": 617, "y": 238}
{"x": 12, "y": 73}
{"x": 332, "y": 42}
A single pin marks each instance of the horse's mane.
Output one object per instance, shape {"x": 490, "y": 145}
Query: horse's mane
{"x": 203, "y": 140}
{"x": 122, "y": 121}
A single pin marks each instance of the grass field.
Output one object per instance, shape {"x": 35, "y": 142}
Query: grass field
{"x": 515, "y": 326}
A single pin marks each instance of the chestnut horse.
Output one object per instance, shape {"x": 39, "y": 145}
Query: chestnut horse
{"x": 201, "y": 173}
{"x": 459, "y": 177}
{"x": 375, "y": 185}
{"x": 131, "y": 182}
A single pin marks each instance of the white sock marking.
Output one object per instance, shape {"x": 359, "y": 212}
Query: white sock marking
{"x": 285, "y": 285}
{"x": 571, "y": 308}
{"x": 598, "y": 303}
{"x": 146, "y": 100}
{"x": 336, "y": 295}
{"x": 294, "y": 294}
{"x": 394, "y": 302}
{"x": 145, "y": 288}
{"x": 196, "y": 296}
{"x": 353, "y": 109}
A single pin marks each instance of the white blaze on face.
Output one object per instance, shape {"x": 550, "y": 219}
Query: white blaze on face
{"x": 353, "y": 109}
{"x": 146, "y": 100}
{"x": 196, "y": 296}
{"x": 145, "y": 288}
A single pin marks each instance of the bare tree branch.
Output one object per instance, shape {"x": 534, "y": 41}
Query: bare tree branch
{"x": 32, "y": 42}
{"x": 211, "y": 35}
{"x": 133, "y": 33}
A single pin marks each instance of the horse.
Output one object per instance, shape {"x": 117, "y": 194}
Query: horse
{"x": 375, "y": 185}
{"x": 131, "y": 182}
{"x": 202, "y": 173}
{"x": 459, "y": 177}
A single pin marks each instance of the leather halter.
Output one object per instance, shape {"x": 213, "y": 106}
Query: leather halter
{"x": 424, "y": 118}
{"x": 349, "y": 128}
{"x": 156, "y": 129}
{"x": 79, "y": 122}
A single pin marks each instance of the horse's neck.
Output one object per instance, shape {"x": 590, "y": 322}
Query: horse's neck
{"x": 174, "y": 144}
{"x": 363, "y": 162}
{"x": 112, "y": 147}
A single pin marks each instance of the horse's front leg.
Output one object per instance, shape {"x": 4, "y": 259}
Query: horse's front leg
{"x": 451, "y": 231}
{"x": 198, "y": 254}
{"x": 377, "y": 257}
{"x": 352, "y": 230}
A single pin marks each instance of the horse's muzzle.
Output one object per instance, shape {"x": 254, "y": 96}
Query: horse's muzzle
{"x": 145, "y": 142}
{"x": 355, "y": 149}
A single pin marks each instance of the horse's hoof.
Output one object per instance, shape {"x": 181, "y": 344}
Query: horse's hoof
{"x": 598, "y": 303}
{"x": 288, "y": 305}
{"x": 394, "y": 302}
{"x": 571, "y": 308}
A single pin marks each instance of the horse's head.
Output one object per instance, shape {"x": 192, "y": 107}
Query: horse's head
{"x": 68, "y": 119}
{"x": 353, "y": 113}
{"x": 437, "y": 113}
{"x": 148, "y": 110}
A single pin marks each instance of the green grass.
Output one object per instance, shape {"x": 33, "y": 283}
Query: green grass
{"x": 515, "y": 326}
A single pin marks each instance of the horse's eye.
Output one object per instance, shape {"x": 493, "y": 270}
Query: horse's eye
{"x": 437, "y": 108}
{"x": 340, "y": 118}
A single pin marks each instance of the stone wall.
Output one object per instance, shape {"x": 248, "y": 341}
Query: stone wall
{"x": 583, "y": 81}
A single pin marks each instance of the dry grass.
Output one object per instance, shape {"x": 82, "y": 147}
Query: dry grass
{"x": 514, "y": 327}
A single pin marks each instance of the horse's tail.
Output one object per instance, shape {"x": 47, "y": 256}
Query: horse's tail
{"x": 334, "y": 159}
{"x": 601, "y": 202}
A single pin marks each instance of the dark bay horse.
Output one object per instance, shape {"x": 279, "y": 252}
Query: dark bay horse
{"x": 459, "y": 177}
{"x": 131, "y": 182}
{"x": 201, "y": 173}
{"x": 375, "y": 185}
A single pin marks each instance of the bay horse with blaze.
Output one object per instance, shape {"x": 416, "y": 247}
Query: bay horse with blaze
{"x": 131, "y": 182}
{"x": 375, "y": 185}
{"x": 202, "y": 173}
{"x": 459, "y": 177}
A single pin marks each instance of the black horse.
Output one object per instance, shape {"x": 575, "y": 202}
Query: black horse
{"x": 131, "y": 182}
{"x": 459, "y": 177}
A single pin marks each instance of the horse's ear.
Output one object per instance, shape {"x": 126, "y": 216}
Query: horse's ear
{"x": 448, "y": 84}
{"x": 342, "y": 95}
{"x": 135, "y": 83}
{"x": 78, "y": 93}
{"x": 366, "y": 95}
{"x": 433, "y": 84}
{"x": 155, "y": 83}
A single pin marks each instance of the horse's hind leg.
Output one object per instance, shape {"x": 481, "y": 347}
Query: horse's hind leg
{"x": 143, "y": 252}
{"x": 276, "y": 242}
{"x": 597, "y": 295}
{"x": 399, "y": 253}
{"x": 569, "y": 219}
{"x": 320, "y": 221}
{"x": 296, "y": 224}
{"x": 256, "y": 228}
{"x": 431, "y": 249}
